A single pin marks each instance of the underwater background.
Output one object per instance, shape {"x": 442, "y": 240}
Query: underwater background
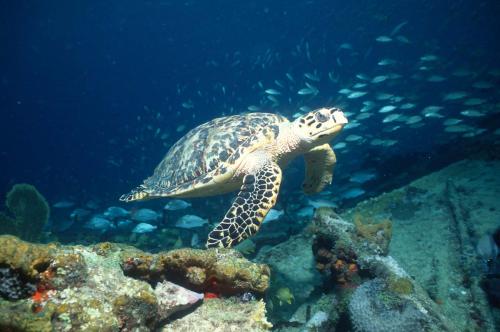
{"x": 93, "y": 94}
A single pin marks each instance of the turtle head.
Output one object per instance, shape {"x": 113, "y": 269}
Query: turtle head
{"x": 320, "y": 126}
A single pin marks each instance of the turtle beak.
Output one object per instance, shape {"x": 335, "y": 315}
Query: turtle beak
{"x": 339, "y": 117}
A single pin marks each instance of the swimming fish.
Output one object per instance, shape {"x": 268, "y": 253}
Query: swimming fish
{"x": 391, "y": 118}
{"x": 144, "y": 228}
{"x": 272, "y": 215}
{"x": 305, "y": 91}
{"x": 378, "y": 79}
{"x": 429, "y": 57}
{"x": 114, "y": 212}
{"x": 455, "y": 95}
{"x": 176, "y": 204}
{"x": 124, "y": 225}
{"x": 99, "y": 224}
{"x": 383, "y": 39}
{"x": 63, "y": 204}
{"x": 352, "y": 193}
{"x": 79, "y": 214}
{"x": 387, "y": 108}
{"x": 145, "y": 216}
{"x": 317, "y": 203}
{"x": 362, "y": 176}
{"x": 191, "y": 221}
{"x": 272, "y": 92}
{"x": 386, "y": 62}
{"x": 356, "y": 94}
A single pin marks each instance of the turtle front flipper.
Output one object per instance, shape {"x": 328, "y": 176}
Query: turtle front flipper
{"x": 320, "y": 162}
{"x": 257, "y": 196}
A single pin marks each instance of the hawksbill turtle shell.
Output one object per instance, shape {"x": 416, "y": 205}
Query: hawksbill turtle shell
{"x": 203, "y": 161}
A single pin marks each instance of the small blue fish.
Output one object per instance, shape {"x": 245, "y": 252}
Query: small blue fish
{"x": 63, "y": 204}
{"x": 79, "y": 214}
{"x": 99, "y": 224}
{"x": 317, "y": 203}
{"x": 273, "y": 215}
{"x": 125, "y": 225}
{"x": 176, "y": 204}
{"x": 352, "y": 193}
{"x": 272, "y": 92}
{"x": 191, "y": 221}
{"x": 145, "y": 216}
{"x": 362, "y": 176}
{"x": 114, "y": 212}
{"x": 144, "y": 228}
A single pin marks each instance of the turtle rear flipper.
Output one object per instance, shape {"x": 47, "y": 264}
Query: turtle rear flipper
{"x": 257, "y": 196}
{"x": 136, "y": 194}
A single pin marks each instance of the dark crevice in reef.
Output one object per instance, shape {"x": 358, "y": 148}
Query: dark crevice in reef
{"x": 14, "y": 285}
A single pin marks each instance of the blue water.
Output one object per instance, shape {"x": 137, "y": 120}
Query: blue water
{"x": 93, "y": 94}
{"x": 86, "y": 86}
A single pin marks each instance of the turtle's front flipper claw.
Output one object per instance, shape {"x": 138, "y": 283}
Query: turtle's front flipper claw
{"x": 257, "y": 196}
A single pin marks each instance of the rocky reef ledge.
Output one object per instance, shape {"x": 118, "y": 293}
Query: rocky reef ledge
{"x": 111, "y": 287}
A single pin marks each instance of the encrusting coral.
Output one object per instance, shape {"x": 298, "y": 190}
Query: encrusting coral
{"x": 93, "y": 288}
{"x": 378, "y": 233}
{"x": 30, "y": 213}
{"x": 334, "y": 249}
{"x": 220, "y": 271}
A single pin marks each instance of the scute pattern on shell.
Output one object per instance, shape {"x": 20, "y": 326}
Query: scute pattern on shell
{"x": 205, "y": 147}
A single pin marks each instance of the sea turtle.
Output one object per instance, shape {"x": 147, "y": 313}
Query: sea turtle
{"x": 245, "y": 151}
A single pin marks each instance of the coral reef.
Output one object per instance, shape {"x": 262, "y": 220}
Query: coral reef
{"x": 374, "y": 233}
{"x": 334, "y": 247}
{"x": 58, "y": 287}
{"x": 12, "y": 285}
{"x": 314, "y": 315}
{"x": 437, "y": 221}
{"x": 223, "y": 315}
{"x": 27, "y": 258}
{"x": 30, "y": 213}
{"x": 220, "y": 271}
{"x": 75, "y": 287}
{"x": 318, "y": 321}
{"x": 390, "y": 293}
{"x": 375, "y": 310}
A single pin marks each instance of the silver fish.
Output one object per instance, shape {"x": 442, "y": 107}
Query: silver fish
{"x": 272, "y": 92}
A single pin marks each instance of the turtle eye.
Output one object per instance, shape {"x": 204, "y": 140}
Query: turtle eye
{"x": 321, "y": 117}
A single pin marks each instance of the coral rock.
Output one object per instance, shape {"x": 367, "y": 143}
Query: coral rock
{"x": 53, "y": 287}
{"x": 373, "y": 309}
{"x": 392, "y": 301}
{"x": 222, "y": 271}
{"x": 173, "y": 298}
{"x": 223, "y": 315}
{"x": 376, "y": 234}
{"x": 75, "y": 288}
